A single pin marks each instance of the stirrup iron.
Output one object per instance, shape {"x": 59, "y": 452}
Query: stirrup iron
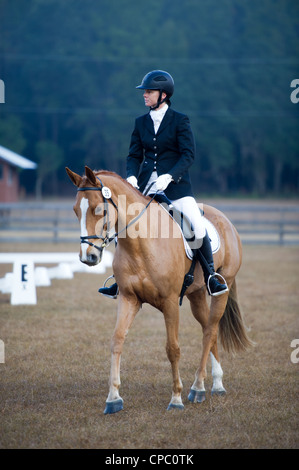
{"x": 108, "y": 279}
{"x": 105, "y": 287}
{"x": 215, "y": 294}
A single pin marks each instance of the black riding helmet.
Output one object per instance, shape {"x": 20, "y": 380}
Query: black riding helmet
{"x": 158, "y": 80}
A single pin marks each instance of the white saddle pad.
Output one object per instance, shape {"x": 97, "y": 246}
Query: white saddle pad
{"x": 213, "y": 235}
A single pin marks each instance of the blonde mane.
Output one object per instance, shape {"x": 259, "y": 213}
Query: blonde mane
{"x": 104, "y": 173}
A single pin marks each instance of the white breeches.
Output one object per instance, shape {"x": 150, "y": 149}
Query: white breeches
{"x": 187, "y": 206}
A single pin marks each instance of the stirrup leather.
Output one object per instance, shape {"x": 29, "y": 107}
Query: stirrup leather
{"x": 208, "y": 284}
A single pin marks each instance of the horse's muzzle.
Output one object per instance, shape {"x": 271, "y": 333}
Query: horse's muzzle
{"x": 92, "y": 256}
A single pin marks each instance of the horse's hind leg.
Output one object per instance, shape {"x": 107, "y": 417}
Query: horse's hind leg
{"x": 171, "y": 316}
{"x": 217, "y": 373}
{"x": 125, "y": 315}
{"x": 209, "y": 320}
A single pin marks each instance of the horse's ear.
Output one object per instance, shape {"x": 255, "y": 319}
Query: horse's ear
{"x": 76, "y": 179}
{"x": 90, "y": 175}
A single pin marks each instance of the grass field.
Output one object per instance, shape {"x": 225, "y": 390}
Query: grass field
{"x": 54, "y": 382}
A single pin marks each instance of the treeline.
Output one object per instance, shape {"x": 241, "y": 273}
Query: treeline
{"x": 70, "y": 70}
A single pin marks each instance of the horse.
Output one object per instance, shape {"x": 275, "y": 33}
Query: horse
{"x": 150, "y": 267}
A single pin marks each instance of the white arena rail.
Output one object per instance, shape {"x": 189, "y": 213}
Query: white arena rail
{"x": 21, "y": 283}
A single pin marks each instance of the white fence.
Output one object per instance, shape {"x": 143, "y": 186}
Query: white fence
{"x": 55, "y": 222}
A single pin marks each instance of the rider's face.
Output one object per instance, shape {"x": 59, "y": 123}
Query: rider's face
{"x": 151, "y": 97}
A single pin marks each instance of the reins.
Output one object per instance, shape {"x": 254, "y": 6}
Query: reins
{"x": 107, "y": 240}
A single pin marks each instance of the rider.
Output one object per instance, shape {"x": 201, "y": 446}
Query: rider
{"x": 161, "y": 151}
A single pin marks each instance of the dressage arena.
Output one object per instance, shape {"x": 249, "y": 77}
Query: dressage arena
{"x": 54, "y": 381}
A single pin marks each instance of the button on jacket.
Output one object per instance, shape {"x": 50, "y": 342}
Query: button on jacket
{"x": 171, "y": 150}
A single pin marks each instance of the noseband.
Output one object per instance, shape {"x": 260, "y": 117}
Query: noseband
{"x": 107, "y": 240}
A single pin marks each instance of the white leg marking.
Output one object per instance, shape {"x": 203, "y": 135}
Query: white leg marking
{"x": 83, "y": 206}
{"x": 198, "y": 385}
{"x": 217, "y": 374}
{"x": 114, "y": 378}
{"x": 176, "y": 398}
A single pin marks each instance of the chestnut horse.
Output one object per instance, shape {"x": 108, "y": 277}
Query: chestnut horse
{"x": 150, "y": 267}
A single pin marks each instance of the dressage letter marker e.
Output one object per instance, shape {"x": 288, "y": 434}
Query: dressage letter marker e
{"x": 23, "y": 288}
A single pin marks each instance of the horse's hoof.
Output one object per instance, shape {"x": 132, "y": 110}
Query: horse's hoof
{"x": 114, "y": 406}
{"x": 197, "y": 396}
{"x": 175, "y": 406}
{"x": 218, "y": 393}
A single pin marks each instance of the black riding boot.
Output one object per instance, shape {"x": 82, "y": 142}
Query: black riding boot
{"x": 205, "y": 257}
{"x": 111, "y": 291}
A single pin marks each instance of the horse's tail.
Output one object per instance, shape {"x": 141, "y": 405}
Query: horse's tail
{"x": 232, "y": 330}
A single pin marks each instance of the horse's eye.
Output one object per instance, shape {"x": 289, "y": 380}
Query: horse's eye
{"x": 98, "y": 210}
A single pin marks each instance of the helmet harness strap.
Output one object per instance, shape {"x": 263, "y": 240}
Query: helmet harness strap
{"x": 160, "y": 101}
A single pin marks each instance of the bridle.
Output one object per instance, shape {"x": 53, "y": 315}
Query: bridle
{"x": 106, "y": 240}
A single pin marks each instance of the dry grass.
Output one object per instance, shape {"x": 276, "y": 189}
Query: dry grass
{"x": 54, "y": 382}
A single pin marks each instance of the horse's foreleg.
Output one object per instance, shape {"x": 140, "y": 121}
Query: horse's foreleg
{"x": 171, "y": 315}
{"x": 125, "y": 315}
{"x": 200, "y": 310}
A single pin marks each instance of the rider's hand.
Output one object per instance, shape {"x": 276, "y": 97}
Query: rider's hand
{"x": 163, "y": 181}
{"x": 133, "y": 181}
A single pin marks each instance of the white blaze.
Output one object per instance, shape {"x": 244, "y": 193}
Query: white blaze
{"x": 84, "y": 246}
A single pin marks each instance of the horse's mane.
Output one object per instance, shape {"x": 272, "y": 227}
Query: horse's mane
{"x": 108, "y": 173}
{"x": 115, "y": 175}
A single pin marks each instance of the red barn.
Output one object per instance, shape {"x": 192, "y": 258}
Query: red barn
{"x": 9, "y": 175}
